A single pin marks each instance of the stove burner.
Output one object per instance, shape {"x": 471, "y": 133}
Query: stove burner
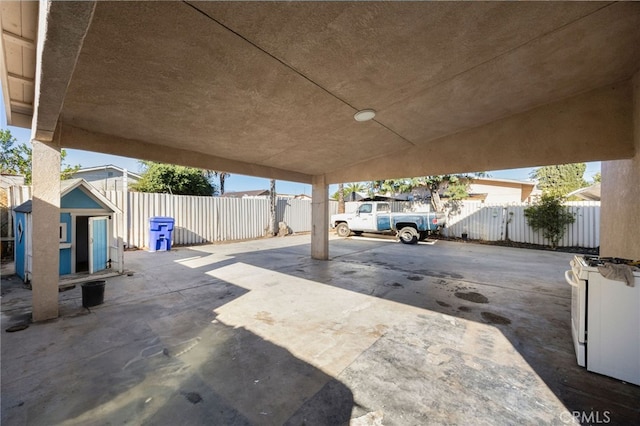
{"x": 600, "y": 261}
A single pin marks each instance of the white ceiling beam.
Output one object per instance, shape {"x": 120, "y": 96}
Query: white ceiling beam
{"x": 68, "y": 136}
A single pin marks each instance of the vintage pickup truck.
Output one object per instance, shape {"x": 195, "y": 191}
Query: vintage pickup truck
{"x": 376, "y": 217}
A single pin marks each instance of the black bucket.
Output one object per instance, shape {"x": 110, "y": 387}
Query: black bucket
{"x": 93, "y": 293}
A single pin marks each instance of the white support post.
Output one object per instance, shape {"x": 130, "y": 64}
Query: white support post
{"x": 320, "y": 218}
{"x": 45, "y": 230}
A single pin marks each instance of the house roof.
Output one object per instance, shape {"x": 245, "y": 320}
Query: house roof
{"x": 590, "y": 193}
{"x": 109, "y": 166}
{"x": 490, "y": 180}
{"x": 251, "y": 193}
{"x": 66, "y": 186}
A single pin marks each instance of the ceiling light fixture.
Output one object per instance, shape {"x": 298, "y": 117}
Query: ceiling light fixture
{"x": 364, "y": 115}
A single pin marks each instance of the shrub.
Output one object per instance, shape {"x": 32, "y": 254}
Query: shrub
{"x": 550, "y": 216}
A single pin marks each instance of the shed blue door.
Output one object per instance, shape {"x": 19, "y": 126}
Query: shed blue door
{"x": 21, "y": 244}
{"x": 98, "y": 244}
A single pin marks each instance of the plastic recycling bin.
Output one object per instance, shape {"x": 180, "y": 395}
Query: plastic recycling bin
{"x": 93, "y": 293}
{"x": 160, "y": 230}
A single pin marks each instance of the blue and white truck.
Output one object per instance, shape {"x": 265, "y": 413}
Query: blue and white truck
{"x": 376, "y": 217}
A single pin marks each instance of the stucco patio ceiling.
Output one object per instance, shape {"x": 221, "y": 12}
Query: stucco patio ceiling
{"x": 270, "y": 89}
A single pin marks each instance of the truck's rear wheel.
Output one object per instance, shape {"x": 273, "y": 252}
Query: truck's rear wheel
{"x": 408, "y": 235}
{"x": 343, "y": 230}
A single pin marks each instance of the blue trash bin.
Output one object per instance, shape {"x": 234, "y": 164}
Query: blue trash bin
{"x": 160, "y": 230}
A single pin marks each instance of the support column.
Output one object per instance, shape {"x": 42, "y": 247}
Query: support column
{"x": 320, "y": 218}
{"x": 620, "y": 203}
{"x": 45, "y": 230}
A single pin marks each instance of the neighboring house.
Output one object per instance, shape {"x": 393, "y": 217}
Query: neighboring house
{"x": 86, "y": 228}
{"x": 247, "y": 194}
{"x": 490, "y": 190}
{"x": 590, "y": 193}
{"x": 295, "y": 196}
{"x": 12, "y": 193}
{"x": 107, "y": 178}
{"x": 7, "y": 180}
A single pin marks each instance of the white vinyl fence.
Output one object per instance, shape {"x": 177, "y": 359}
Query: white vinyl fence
{"x": 507, "y": 222}
{"x": 495, "y": 222}
{"x": 210, "y": 219}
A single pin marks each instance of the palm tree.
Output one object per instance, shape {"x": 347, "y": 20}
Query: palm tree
{"x": 340, "y": 198}
{"x": 273, "y": 222}
{"x": 352, "y": 188}
{"x": 222, "y": 176}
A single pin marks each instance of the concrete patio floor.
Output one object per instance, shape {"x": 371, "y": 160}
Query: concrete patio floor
{"x": 259, "y": 333}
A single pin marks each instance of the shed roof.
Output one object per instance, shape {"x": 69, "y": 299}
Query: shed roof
{"x": 24, "y": 207}
{"x": 66, "y": 186}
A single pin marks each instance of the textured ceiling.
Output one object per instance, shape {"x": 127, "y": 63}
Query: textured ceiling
{"x": 277, "y": 84}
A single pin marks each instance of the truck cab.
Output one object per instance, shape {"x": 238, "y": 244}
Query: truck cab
{"x": 367, "y": 217}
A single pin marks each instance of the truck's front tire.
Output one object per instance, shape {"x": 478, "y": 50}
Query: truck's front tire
{"x": 408, "y": 235}
{"x": 343, "y": 230}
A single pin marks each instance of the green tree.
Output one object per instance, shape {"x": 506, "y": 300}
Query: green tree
{"x": 597, "y": 178}
{"x": 273, "y": 204}
{"x": 177, "y": 180}
{"x": 16, "y": 160}
{"x": 561, "y": 179}
{"x": 349, "y": 190}
{"x": 550, "y": 216}
{"x": 454, "y": 187}
{"x": 222, "y": 177}
{"x": 340, "y": 197}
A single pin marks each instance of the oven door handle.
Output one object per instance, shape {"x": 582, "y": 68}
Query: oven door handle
{"x": 570, "y": 276}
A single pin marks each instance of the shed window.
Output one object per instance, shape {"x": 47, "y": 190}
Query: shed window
{"x": 63, "y": 232}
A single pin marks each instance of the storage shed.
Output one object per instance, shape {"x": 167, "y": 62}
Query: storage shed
{"x": 87, "y": 244}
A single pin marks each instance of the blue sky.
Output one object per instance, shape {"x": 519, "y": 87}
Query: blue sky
{"x": 238, "y": 182}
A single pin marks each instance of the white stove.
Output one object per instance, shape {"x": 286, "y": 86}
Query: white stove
{"x": 605, "y": 318}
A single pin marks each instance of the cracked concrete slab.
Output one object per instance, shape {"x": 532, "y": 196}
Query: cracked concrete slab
{"x": 258, "y": 333}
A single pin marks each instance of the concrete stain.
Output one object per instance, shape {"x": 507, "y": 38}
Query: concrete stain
{"x": 18, "y": 327}
{"x": 464, "y": 309}
{"x": 415, "y": 278}
{"x": 265, "y": 317}
{"x": 471, "y": 296}
{"x": 446, "y": 305}
{"x": 396, "y": 285}
{"x": 439, "y": 274}
{"x": 492, "y": 318}
{"x": 192, "y": 397}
